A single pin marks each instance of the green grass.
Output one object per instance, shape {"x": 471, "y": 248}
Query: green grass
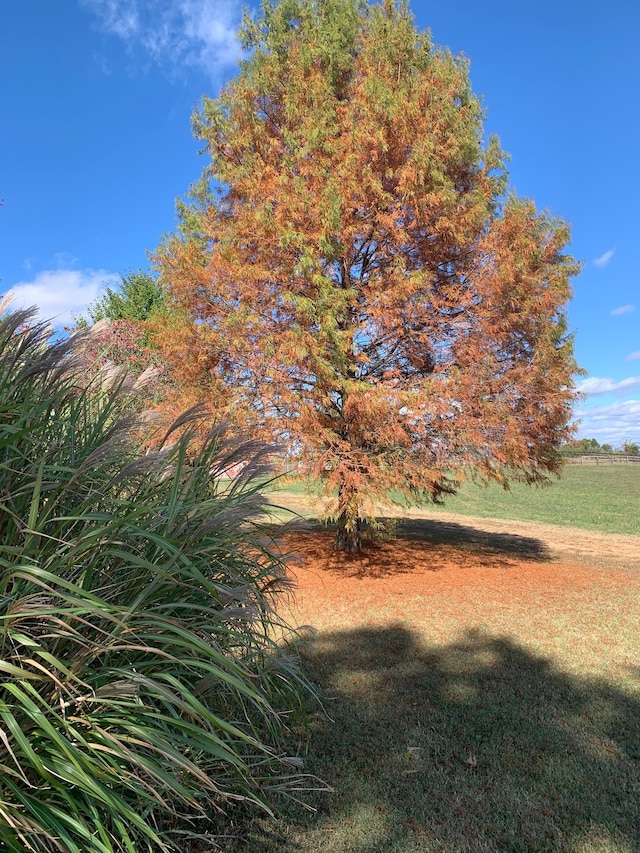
{"x": 602, "y": 498}
{"x": 476, "y": 745}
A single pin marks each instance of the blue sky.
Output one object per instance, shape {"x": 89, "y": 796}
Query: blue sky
{"x": 95, "y": 146}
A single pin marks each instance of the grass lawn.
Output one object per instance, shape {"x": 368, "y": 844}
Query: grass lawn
{"x": 604, "y": 498}
{"x": 475, "y": 699}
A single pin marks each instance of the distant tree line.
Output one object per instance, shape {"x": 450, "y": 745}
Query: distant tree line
{"x": 592, "y": 445}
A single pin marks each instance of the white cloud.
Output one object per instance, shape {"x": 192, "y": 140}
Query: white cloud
{"x": 199, "y": 33}
{"x": 603, "y": 260}
{"x": 61, "y": 293}
{"x": 594, "y": 385}
{"x": 611, "y": 424}
{"x": 623, "y": 309}
{"x": 633, "y": 356}
{"x": 616, "y": 421}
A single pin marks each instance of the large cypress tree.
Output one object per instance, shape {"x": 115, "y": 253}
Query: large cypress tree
{"x": 362, "y": 284}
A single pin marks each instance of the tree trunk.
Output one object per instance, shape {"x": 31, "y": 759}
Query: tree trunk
{"x": 348, "y": 538}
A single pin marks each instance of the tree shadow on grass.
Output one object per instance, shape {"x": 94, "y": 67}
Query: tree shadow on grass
{"x": 466, "y": 536}
{"x": 475, "y": 746}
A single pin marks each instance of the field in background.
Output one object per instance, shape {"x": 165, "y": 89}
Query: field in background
{"x": 603, "y": 498}
{"x": 594, "y": 498}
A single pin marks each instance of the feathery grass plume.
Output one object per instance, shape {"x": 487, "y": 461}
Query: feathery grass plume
{"x": 142, "y": 687}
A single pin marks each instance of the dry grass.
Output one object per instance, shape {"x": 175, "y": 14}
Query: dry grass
{"x": 478, "y": 696}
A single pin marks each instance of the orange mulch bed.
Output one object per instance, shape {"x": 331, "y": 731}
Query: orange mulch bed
{"x": 501, "y": 585}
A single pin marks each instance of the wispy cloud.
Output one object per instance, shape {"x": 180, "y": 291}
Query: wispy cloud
{"x": 603, "y": 260}
{"x": 594, "y": 385}
{"x": 175, "y": 33}
{"x": 633, "y": 355}
{"x": 64, "y": 261}
{"x": 61, "y": 293}
{"x": 623, "y": 309}
{"x": 119, "y": 17}
{"x": 611, "y": 424}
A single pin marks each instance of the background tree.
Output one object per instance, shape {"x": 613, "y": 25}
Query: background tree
{"x": 583, "y": 445}
{"x": 139, "y": 298}
{"x": 631, "y": 448}
{"x": 124, "y": 322}
{"x": 360, "y": 283}
{"x": 137, "y": 325}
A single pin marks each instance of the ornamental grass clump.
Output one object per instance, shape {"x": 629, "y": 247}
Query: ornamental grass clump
{"x": 142, "y": 685}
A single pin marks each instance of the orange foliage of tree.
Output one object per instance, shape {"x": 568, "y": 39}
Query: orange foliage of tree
{"x": 362, "y": 285}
